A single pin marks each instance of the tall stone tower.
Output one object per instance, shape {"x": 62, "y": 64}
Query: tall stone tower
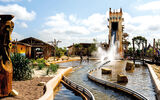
{"x": 116, "y": 28}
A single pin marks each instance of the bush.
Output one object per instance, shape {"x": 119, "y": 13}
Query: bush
{"x": 21, "y": 68}
{"x": 40, "y": 60}
{"x": 52, "y": 68}
{"x": 40, "y": 66}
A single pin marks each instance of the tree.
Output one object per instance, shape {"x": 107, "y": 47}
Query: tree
{"x": 158, "y": 43}
{"x": 139, "y": 40}
{"x": 60, "y": 51}
{"x": 125, "y": 41}
{"x": 92, "y": 48}
{"x": 78, "y": 48}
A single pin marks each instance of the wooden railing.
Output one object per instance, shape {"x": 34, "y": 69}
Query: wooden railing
{"x": 83, "y": 90}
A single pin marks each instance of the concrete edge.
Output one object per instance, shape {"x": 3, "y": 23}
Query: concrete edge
{"x": 51, "y": 85}
{"x": 156, "y": 81}
{"x": 66, "y": 61}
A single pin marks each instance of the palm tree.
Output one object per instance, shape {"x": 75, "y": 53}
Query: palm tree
{"x": 139, "y": 40}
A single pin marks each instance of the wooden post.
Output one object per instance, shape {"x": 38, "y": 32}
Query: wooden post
{"x": 133, "y": 51}
{"x": 6, "y": 28}
{"x": 153, "y": 55}
{"x": 143, "y": 52}
{"x": 145, "y": 48}
{"x": 146, "y": 44}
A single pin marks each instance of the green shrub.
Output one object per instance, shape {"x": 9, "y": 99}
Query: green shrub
{"x": 52, "y": 68}
{"x": 40, "y": 66}
{"x": 21, "y": 68}
{"x": 40, "y": 60}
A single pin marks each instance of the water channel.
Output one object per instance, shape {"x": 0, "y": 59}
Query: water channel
{"x": 66, "y": 94}
{"x": 139, "y": 81}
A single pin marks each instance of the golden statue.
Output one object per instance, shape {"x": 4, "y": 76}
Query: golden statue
{"x": 6, "y": 70}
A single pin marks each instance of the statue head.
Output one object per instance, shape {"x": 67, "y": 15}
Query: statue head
{"x": 6, "y": 28}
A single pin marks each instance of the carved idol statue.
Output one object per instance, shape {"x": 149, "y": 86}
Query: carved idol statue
{"x": 6, "y": 28}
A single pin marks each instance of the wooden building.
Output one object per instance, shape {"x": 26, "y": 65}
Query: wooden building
{"x": 39, "y": 48}
{"x": 22, "y": 48}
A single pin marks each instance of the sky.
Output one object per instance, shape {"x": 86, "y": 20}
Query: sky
{"x": 79, "y": 21}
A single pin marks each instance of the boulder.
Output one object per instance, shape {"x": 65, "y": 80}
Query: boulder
{"x": 13, "y": 93}
{"x": 129, "y": 66}
{"x": 122, "y": 78}
{"x": 106, "y": 71}
{"x": 137, "y": 65}
{"x": 41, "y": 83}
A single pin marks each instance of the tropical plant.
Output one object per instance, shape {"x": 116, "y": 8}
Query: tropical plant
{"x": 78, "y": 48}
{"x": 158, "y": 43}
{"x": 60, "y": 52}
{"x": 41, "y": 66}
{"x": 52, "y": 68}
{"x": 21, "y": 68}
{"x": 92, "y": 48}
{"x": 130, "y": 50}
{"x": 139, "y": 40}
{"x": 40, "y": 60}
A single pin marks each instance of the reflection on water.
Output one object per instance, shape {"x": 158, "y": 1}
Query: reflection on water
{"x": 138, "y": 79}
{"x": 66, "y": 94}
{"x": 100, "y": 92}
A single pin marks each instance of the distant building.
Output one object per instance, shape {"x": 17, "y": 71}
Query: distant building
{"x": 72, "y": 50}
{"x": 39, "y": 48}
{"x": 22, "y": 48}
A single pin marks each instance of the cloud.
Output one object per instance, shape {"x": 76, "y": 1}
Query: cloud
{"x": 57, "y": 21}
{"x": 60, "y": 24}
{"x": 29, "y": 0}
{"x": 72, "y": 18}
{"x": 21, "y": 24}
{"x": 18, "y": 11}
{"x": 24, "y": 25}
{"x": 96, "y": 22}
{"x": 16, "y": 35}
{"x": 154, "y": 5}
{"x": 70, "y": 29}
{"x": 147, "y": 26}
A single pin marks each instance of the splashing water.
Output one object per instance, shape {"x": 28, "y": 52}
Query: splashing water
{"x": 110, "y": 54}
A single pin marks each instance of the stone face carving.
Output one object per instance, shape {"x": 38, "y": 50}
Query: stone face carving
{"x": 6, "y": 70}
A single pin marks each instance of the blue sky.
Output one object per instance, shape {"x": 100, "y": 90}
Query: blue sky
{"x": 75, "y": 21}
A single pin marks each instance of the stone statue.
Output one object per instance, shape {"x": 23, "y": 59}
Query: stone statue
{"x": 6, "y": 70}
